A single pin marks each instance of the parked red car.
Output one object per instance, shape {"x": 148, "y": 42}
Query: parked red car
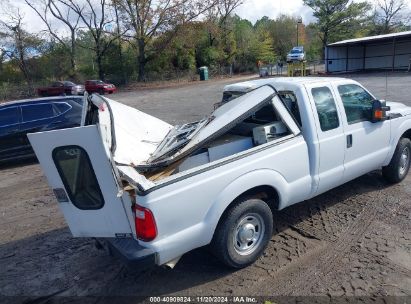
{"x": 57, "y": 88}
{"x": 98, "y": 86}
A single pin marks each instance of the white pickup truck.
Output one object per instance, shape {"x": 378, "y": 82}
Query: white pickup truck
{"x": 153, "y": 192}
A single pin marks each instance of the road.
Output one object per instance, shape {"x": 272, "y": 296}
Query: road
{"x": 351, "y": 241}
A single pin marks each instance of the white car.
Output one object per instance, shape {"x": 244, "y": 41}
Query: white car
{"x": 152, "y": 192}
{"x": 78, "y": 89}
{"x": 264, "y": 72}
{"x": 296, "y": 54}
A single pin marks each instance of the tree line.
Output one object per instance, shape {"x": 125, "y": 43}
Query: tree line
{"x": 121, "y": 40}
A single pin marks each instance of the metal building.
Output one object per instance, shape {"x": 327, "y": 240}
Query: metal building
{"x": 383, "y": 52}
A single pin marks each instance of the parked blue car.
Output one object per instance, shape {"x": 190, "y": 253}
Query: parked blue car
{"x": 18, "y": 118}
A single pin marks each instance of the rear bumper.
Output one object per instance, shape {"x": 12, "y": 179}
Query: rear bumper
{"x": 132, "y": 253}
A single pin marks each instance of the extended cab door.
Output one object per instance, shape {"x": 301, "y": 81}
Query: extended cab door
{"x": 82, "y": 178}
{"x": 367, "y": 144}
{"x": 330, "y": 135}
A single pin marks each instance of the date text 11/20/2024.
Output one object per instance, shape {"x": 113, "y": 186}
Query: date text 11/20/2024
{"x": 203, "y": 299}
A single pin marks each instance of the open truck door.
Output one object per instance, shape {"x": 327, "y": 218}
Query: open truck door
{"x": 81, "y": 165}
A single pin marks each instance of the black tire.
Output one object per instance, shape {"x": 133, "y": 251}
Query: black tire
{"x": 234, "y": 230}
{"x": 101, "y": 92}
{"x": 399, "y": 166}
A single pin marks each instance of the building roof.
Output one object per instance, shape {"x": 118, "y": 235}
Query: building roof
{"x": 371, "y": 38}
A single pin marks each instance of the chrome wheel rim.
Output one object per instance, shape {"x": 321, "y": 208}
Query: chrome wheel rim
{"x": 248, "y": 234}
{"x": 404, "y": 161}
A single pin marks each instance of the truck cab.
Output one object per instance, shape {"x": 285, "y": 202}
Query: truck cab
{"x": 335, "y": 113}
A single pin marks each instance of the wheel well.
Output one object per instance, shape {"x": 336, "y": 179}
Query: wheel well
{"x": 266, "y": 193}
{"x": 407, "y": 134}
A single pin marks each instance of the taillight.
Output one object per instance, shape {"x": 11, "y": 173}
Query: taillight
{"x": 146, "y": 229}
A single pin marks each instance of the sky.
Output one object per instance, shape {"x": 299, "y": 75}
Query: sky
{"x": 255, "y": 9}
{"x": 250, "y": 9}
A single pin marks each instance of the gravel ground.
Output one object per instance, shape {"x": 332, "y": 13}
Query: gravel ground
{"x": 352, "y": 241}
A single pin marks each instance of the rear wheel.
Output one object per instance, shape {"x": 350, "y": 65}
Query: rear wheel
{"x": 399, "y": 166}
{"x": 243, "y": 233}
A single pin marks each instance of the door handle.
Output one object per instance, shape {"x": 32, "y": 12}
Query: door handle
{"x": 349, "y": 141}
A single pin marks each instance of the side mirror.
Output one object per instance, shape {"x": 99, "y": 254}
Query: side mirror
{"x": 379, "y": 111}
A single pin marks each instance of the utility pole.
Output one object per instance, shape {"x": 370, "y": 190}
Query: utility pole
{"x": 299, "y": 21}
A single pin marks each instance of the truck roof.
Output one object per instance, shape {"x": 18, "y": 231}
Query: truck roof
{"x": 247, "y": 86}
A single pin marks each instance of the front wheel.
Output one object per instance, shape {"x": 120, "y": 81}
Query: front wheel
{"x": 243, "y": 233}
{"x": 399, "y": 166}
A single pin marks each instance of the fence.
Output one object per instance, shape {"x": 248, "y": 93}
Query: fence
{"x": 316, "y": 67}
{"x": 9, "y": 91}
{"x": 312, "y": 68}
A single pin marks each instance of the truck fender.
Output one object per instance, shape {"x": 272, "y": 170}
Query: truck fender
{"x": 400, "y": 131}
{"x": 261, "y": 177}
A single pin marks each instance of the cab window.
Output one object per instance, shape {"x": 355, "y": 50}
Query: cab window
{"x": 290, "y": 101}
{"x": 357, "y": 102}
{"x": 326, "y": 108}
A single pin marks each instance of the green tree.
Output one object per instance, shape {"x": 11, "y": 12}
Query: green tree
{"x": 263, "y": 49}
{"x": 245, "y": 38}
{"x": 313, "y": 45}
{"x": 283, "y": 30}
{"x": 390, "y": 16}
{"x": 150, "y": 19}
{"x": 96, "y": 18}
{"x": 17, "y": 44}
{"x": 48, "y": 10}
{"x": 338, "y": 19}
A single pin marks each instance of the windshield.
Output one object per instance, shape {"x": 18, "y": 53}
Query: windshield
{"x": 69, "y": 83}
{"x": 296, "y": 51}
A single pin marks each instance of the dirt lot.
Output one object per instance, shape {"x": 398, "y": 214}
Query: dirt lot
{"x": 351, "y": 241}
